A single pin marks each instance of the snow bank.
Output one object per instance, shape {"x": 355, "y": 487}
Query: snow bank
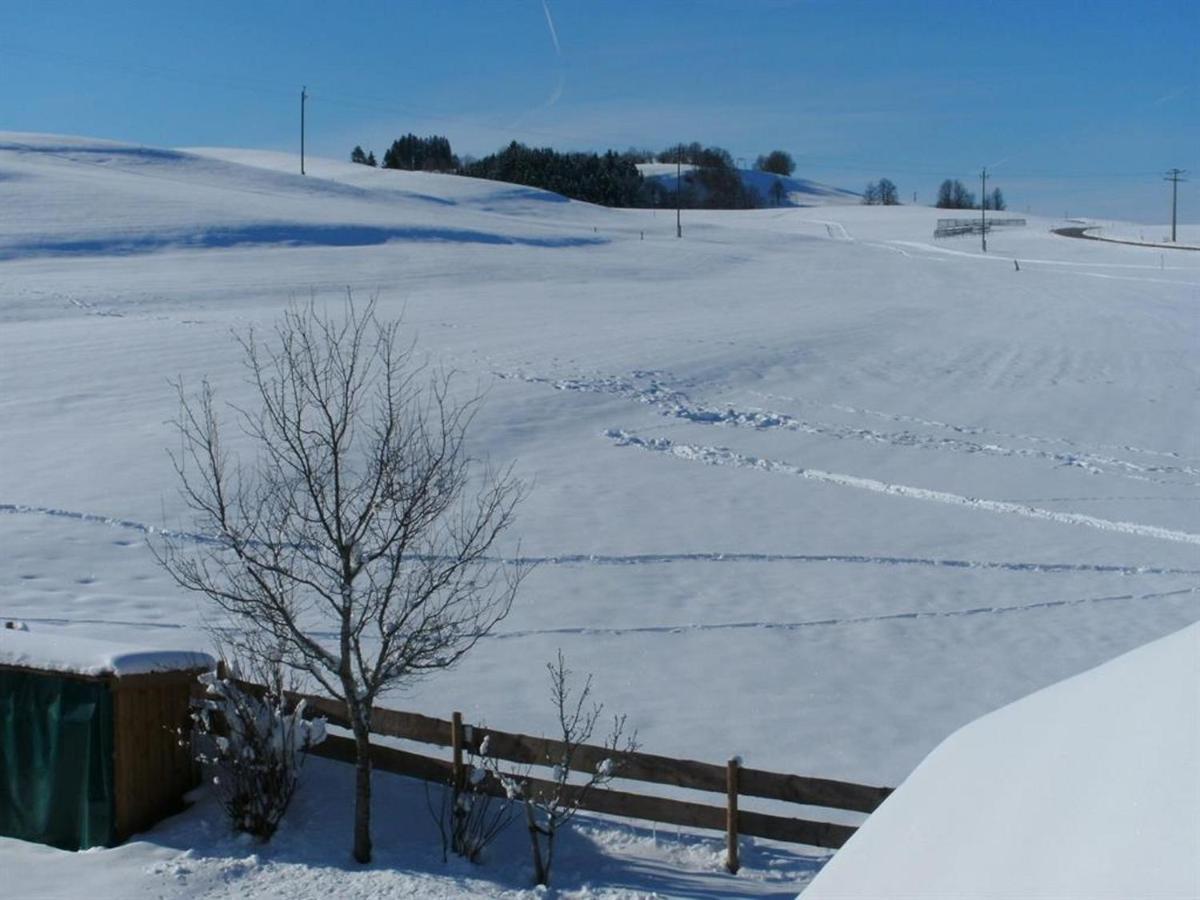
{"x": 81, "y": 656}
{"x": 1087, "y": 789}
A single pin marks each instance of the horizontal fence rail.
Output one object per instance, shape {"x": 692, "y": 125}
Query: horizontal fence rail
{"x": 731, "y": 779}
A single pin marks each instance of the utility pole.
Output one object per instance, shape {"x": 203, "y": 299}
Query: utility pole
{"x": 678, "y": 200}
{"x": 303, "y": 97}
{"x": 983, "y": 207}
{"x": 1174, "y": 176}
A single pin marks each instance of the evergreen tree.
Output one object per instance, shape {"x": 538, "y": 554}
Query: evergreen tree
{"x": 611, "y": 180}
{"x": 357, "y": 155}
{"x": 431, "y": 154}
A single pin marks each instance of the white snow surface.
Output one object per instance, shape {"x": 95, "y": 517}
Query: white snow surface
{"x": 193, "y": 855}
{"x": 1088, "y": 789}
{"x": 55, "y": 652}
{"x": 808, "y": 485}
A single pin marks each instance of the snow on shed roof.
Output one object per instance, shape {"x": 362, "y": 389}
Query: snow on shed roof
{"x": 83, "y": 656}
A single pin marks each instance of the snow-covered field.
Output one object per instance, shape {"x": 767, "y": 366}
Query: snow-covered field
{"x": 809, "y": 486}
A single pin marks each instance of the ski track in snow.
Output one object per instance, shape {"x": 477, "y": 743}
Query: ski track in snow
{"x": 692, "y": 627}
{"x": 850, "y": 620}
{"x": 112, "y": 522}
{"x": 645, "y": 559}
{"x": 980, "y": 430}
{"x": 654, "y": 390}
{"x": 722, "y": 456}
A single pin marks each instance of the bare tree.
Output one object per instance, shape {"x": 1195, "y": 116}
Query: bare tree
{"x": 356, "y": 541}
{"x": 953, "y": 194}
{"x": 548, "y": 808}
{"x": 779, "y": 162}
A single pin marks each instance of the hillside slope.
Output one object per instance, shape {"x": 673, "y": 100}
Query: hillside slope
{"x": 808, "y": 485}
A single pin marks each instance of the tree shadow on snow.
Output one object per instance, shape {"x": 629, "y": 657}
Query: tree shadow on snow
{"x": 593, "y": 852}
{"x": 288, "y": 234}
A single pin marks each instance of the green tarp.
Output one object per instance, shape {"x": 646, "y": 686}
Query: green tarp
{"x": 56, "y": 760}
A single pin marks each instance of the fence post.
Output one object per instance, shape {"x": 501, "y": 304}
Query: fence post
{"x": 456, "y": 741}
{"x": 731, "y": 815}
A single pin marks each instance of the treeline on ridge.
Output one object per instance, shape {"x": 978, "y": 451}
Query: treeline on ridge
{"x": 953, "y": 194}
{"x": 612, "y": 178}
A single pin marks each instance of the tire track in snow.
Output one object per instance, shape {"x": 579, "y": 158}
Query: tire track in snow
{"x": 673, "y": 403}
{"x": 616, "y": 631}
{"x": 1073, "y": 263}
{"x": 650, "y": 559}
{"x": 722, "y": 456}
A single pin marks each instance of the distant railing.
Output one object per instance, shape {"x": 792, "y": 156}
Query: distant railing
{"x": 732, "y": 779}
{"x": 955, "y": 227}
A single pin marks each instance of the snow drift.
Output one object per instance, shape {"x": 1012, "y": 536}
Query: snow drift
{"x": 1087, "y": 789}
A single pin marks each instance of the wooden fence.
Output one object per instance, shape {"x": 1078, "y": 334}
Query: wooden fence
{"x": 732, "y": 779}
{"x": 955, "y": 227}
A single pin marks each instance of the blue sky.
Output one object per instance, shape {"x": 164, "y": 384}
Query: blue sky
{"x": 1074, "y": 106}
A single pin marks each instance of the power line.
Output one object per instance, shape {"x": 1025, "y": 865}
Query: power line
{"x": 678, "y": 195}
{"x": 983, "y": 207}
{"x": 1174, "y": 176}
{"x": 267, "y": 88}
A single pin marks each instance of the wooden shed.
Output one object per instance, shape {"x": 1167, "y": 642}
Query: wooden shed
{"x": 91, "y": 750}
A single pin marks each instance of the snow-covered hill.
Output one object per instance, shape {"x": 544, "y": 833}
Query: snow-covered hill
{"x": 810, "y": 486}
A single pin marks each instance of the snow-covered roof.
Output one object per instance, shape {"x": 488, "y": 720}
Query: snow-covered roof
{"x": 1087, "y": 788}
{"x": 83, "y": 656}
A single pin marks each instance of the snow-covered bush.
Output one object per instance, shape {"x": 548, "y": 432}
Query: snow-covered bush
{"x": 252, "y": 748}
{"x": 472, "y": 815}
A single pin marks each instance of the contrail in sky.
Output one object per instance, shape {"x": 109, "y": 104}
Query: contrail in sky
{"x": 560, "y": 79}
{"x": 553, "y": 32}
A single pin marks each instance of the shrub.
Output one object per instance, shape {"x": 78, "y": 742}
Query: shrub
{"x": 470, "y": 816}
{"x": 253, "y": 748}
